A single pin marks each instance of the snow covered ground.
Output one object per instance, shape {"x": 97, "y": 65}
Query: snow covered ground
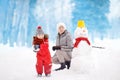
{"x": 18, "y": 63}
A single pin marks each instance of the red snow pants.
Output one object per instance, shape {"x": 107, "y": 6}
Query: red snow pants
{"x": 43, "y": 65}
{"x": 43, "y": 60}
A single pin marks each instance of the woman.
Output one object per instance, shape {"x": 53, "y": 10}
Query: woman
{"x": 64, "y": 45}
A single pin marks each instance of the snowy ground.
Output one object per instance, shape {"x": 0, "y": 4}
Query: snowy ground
{"x": 18, "y": 63}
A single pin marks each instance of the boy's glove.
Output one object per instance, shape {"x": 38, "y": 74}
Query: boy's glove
{"x": 56, "y": 48}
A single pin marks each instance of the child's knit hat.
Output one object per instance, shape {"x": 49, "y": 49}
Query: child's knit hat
{"x": 39, "y": 30}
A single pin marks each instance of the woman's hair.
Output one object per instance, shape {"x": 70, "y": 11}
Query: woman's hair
{"x": 61, "y": 24}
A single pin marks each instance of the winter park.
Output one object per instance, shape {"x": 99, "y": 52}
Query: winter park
{"x": 59, "y": 40}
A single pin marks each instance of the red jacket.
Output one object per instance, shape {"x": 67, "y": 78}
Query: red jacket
{"x": 44, "y": 53}
{"x": 37, "y": 41}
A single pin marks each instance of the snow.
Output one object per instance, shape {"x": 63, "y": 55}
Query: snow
{"x": 81, "y": 58}
{"x": 18, "y": 63}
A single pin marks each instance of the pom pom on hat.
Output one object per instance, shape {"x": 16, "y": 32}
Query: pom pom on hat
{"x": 39, "y": 27}
{"x": 39, "y": 30}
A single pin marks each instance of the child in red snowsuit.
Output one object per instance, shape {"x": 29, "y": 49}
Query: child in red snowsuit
{"x": 43, "y": 56}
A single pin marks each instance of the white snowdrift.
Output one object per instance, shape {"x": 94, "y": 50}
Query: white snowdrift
{"x": 18, "y": 63}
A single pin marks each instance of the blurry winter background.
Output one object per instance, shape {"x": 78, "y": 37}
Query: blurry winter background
{"x": 18, "y": 22}
{"x": 19, "y": 18}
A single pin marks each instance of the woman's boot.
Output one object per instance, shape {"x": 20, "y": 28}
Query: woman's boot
{"x": 61, "y": 67}
{"x": 68, "y": 63}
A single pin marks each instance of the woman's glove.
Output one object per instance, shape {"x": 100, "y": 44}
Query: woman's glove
{"x": 56, "y": 48}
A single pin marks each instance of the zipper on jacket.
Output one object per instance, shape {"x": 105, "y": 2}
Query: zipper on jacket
{"x": 59, "y": 40}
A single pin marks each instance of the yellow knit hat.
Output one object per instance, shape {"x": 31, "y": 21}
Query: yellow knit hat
{"x": 81, "y": 24}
